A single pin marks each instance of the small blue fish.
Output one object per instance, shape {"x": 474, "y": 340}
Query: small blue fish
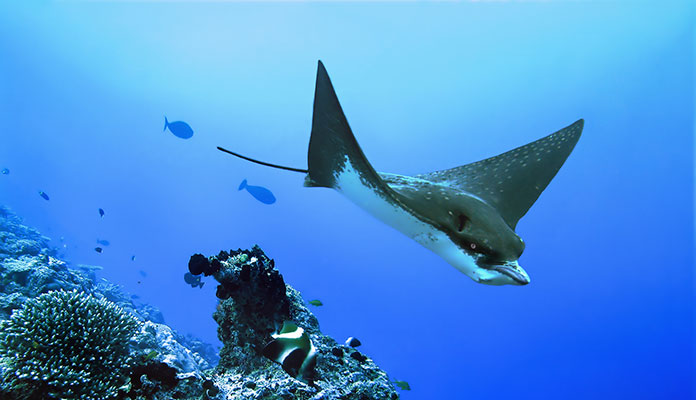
{"x": 143, "y": 273}
{"x": 260, "y": 193}
{"x": 103, "y": 242}
{"x": 132, "y": 258}
{"x": 98, "y": 249}
{"x": 178, "y": 128}
{"x": 5, "y": 171}
{"x": 193, "y": 280}
{"x": 44, "y": 195}
{"x": 101, "y": 212}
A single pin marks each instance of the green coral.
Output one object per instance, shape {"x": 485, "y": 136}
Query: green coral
{"x": 66, "y": 345}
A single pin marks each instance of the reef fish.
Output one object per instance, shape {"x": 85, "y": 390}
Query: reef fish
{"x": 179, "y": 128}
{"x": 316, "y": 303}
{"x": 193, "y": 280}
{"x": 101, "y": 212}
{"x": 152, "y": 354}
{"x": 293, "y": 349}
{"x": 467, "y": 215}
{"x": 44, "y": 195}
{"x": 5, "y": 171}
{"x": 353, "y": 342}
{"x": 260, "y": 193}
{"x": 98, "y": 249}
{"x": 103, "y": 242}
{"x": 403, "y": 385}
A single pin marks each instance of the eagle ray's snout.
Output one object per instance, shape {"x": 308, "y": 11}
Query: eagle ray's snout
{"x": 514, "y": 271}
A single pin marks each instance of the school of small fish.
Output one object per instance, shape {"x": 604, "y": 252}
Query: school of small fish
{"x": 181, "y": 130}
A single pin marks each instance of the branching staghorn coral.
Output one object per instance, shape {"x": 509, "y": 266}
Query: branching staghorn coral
{"x": 66, "y": 345}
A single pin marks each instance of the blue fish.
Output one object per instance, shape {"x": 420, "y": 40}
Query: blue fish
{"x": 44, "y": 195}
{"x": 178, "y": 128}
{"x": 132, "y": 258}
{"x": 260, "y": 193}
{"x": 5, "y": 171}
{"x": 193, "y": 280}
{"x": 103, "y": 242}
{"x": 101, "y": 212}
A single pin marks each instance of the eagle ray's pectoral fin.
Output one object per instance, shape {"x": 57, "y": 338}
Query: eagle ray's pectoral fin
{"x": 511, "y": 182}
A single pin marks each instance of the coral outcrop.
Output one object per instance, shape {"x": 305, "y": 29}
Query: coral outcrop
{"x": 20, "y": 240}
{"x": 254, "y": 303}
{"x": 156, "y": 350}
{"x": 66, "y": 345}
{"x": 158, "y": 363}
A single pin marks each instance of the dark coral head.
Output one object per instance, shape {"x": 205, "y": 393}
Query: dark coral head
{"x": 223, "y": 292}
{"x": 223, "y": 255}
{"x": 215, "y": 266}
{"x": 198, "y": 264}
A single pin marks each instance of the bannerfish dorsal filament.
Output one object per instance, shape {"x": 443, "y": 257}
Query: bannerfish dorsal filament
{"x": 467, "y": 214}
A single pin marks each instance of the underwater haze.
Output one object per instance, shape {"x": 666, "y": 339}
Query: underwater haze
{"x": 609, "y": 312}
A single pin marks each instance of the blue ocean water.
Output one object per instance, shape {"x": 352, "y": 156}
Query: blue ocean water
{"x": 609, "y": 312}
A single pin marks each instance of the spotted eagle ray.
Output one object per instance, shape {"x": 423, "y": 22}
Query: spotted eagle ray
{"x": 467, "y": 214}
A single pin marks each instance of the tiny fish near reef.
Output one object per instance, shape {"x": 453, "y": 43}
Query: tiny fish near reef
{"x": 180, "y": 129}
{"x": 149, "y": 356}
{"x": 44, "y": 195}
{"x": 403, "y": 385}
{"x": 260, "y": 193}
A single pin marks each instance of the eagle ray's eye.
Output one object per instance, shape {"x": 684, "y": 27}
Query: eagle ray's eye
{"x": 478, "y": 248}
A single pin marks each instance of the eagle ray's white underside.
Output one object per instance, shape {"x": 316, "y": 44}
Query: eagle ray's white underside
{"x": 349, "y": 183}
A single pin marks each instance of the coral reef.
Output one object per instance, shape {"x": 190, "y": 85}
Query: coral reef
{"x": 160, "y": 364}
{"x": 254, "y": 303}
{"x": 67, "y": 345}
{"x": 27, "y": 275}
{"x": 19, "y": 240}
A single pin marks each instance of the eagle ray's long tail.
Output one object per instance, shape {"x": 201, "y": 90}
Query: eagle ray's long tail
{"x": 262, "y": 162}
